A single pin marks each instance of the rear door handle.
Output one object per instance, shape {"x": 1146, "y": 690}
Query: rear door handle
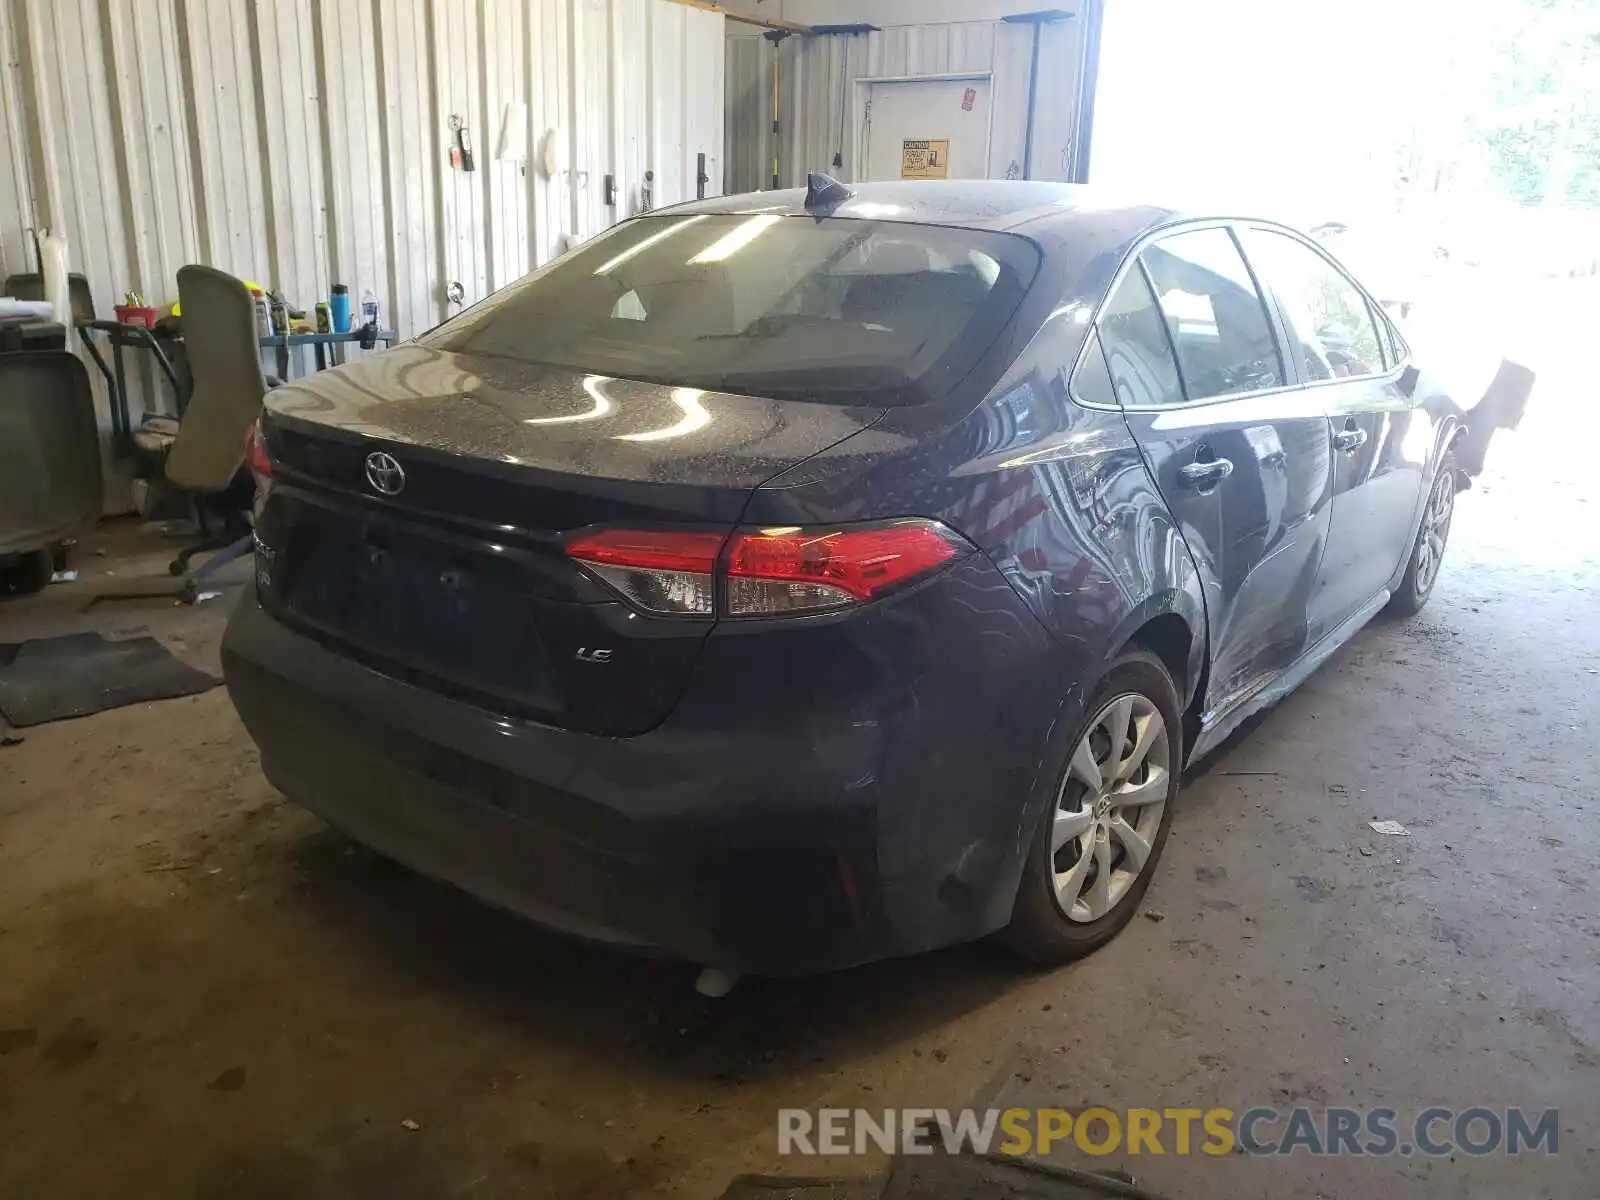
{"x": 1349, "y": 439}
{"x": 1207, "y": 474}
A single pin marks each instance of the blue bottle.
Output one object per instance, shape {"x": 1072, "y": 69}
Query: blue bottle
{"x": 339, "y": 302}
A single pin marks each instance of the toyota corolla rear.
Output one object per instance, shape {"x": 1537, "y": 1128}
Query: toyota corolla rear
{"x": 511, "y": 627}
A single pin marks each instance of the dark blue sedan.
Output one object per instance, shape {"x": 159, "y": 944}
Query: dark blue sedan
{"x": 784, "y": 581}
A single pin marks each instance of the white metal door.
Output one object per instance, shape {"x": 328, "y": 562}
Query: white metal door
{"x": 927, "y": 129}
{"x": 593, "y": 134}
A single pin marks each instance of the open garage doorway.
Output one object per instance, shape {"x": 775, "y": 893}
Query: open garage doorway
{"x": 1449, "y": 154}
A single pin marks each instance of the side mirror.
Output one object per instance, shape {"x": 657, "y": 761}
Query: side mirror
{"x": 1408, "y": 382}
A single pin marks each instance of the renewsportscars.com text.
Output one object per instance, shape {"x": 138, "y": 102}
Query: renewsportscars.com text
{"x": 1367, "y": 1132}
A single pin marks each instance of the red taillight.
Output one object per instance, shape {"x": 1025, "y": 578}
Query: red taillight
{"x": 776, "y": 571}
{"x": 654, "y": 550}
{"x": 765, "y": 572}
{"x": 255, "y": 454}
{"x": 671, "y": 572}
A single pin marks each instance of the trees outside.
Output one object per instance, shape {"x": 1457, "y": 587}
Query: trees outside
{"x": 1515, "y": 110}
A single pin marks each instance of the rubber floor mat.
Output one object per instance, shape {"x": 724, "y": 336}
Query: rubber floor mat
{"x": 49, "y": 679}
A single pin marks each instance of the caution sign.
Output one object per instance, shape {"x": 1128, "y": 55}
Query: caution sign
{"x": 925, "y": 159}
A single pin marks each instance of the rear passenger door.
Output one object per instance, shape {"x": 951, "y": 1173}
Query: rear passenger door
{"x": 1345, "y": 353}
{"x": 1240, "y": 455}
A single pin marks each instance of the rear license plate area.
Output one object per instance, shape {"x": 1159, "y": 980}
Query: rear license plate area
{"x": 425, "y": 606}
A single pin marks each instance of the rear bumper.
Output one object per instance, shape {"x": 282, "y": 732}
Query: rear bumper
{"x": 782, "y": 839}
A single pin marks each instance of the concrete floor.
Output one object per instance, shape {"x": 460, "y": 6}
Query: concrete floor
{"x": 207, "y": 993}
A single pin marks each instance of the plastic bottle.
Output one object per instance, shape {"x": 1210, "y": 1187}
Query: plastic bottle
{"x": 339, "y": 302}
{"x": 263, "y": 312}
{"x": 369, "y": 309}
{"x": 57, "y": 285}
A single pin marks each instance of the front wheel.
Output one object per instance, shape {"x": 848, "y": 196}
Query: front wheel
{"x": 1427, "y": 553}
{"x": 1098, "y": 843}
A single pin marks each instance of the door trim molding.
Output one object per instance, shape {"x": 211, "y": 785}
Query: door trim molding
{"x": 1215, "y": 726}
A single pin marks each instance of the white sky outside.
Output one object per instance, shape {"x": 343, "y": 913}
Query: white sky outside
{"x": 1284, "y": 107}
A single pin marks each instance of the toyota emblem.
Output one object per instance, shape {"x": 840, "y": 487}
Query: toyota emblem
{"x": 385, "y": 474}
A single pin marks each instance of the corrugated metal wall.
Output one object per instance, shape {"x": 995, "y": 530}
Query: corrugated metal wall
{"x": 749, "y": 155}
{"x": 302, "y": 142}
{"x": 821, "y": 100}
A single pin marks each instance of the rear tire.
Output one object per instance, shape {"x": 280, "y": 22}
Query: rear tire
{"x": 1433, "y": 536}
{"x": 1067, "y": 907}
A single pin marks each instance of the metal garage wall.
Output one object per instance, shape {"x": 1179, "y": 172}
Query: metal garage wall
{"x": 878, "y": 12}
{"x": 749, "y": 154}
{"x": 302, "y": 142}
{"x": 820, "y": 99}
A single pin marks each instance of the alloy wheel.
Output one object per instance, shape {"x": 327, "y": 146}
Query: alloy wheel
{"x": 1108, "y": 811}
{"x": 1435, "y": 530}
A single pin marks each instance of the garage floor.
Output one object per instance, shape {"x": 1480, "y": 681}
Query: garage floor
{"x": 207, "y": 993}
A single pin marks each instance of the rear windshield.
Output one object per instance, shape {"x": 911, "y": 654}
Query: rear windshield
{"x": 840, "y": 311}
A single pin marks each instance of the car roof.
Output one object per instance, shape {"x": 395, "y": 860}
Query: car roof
{"x": 1039, "y": 210}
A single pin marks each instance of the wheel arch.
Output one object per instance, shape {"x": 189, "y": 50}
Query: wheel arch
{"x": 1171, "y": 625}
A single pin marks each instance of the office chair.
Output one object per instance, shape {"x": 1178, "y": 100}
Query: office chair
{"x": 29, "y": 285}
{"x": 204, "y": 456}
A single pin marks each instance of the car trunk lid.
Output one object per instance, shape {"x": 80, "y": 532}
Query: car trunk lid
{"x": 544, "y": 448}
{"x": 442, "y": 561}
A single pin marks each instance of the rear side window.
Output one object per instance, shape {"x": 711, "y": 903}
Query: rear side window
{"x": 1137, "y": 349}
{"x": 1218, "y": 320}
{"x": 1385, "y": 341}
{"x": 1091, "y": 382}
{"x": 1330, "y": 324}
{"x": 1394, "y": 346}
{"x": 837, "y": 310}
{"x": 1402, "y": 350}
